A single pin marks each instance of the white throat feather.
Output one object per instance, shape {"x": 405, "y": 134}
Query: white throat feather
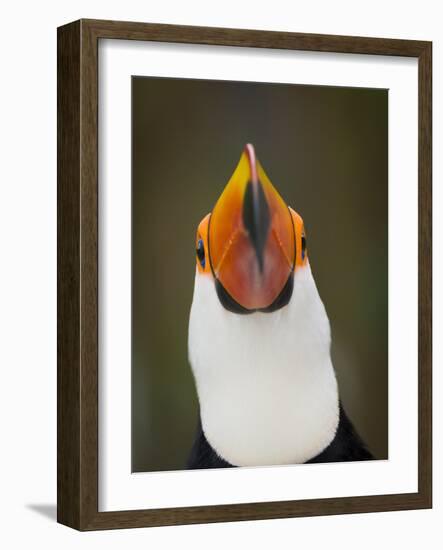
{"x": 265, "y": 381}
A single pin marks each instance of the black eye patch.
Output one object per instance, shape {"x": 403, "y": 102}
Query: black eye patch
{"x": 303, "y": 247}
{"x": 201, "y": 252}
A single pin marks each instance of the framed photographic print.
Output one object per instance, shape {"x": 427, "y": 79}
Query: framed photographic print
{"x": 244, "y": 274}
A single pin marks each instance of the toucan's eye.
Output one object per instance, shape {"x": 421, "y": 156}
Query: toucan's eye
{"x": 201, "y": 252}
{"x": 303, "y": 246}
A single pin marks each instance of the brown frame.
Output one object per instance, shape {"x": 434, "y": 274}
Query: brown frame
{"x": 77, "y": 453}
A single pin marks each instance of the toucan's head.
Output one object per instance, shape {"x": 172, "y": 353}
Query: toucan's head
{"x": 252, "y": 242}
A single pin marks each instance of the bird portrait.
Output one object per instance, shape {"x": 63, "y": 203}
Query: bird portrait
{"x": 259, "y": 340}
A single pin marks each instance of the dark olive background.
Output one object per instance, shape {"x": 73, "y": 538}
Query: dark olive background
{"x": 326, "y": 151}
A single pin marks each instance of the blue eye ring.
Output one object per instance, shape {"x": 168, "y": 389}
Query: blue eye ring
{"x": 201, "y": 253}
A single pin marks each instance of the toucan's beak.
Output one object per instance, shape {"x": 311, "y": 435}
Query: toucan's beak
{"x": 251, "y": 237}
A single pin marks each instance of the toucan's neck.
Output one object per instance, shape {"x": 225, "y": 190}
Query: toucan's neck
{"x": 265, "y": 381}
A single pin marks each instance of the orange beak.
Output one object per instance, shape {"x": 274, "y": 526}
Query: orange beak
{"x": 251, "y": 239}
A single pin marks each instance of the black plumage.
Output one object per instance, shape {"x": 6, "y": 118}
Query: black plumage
{"x": 346, "y": 446}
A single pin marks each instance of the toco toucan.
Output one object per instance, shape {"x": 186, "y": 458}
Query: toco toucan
{"x": 259, "y": 337}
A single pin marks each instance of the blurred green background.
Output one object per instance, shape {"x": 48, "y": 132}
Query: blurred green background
{"x": 326, "y": 151}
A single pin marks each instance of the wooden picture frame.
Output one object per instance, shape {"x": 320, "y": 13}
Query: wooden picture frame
{"x": 77, "y": 456}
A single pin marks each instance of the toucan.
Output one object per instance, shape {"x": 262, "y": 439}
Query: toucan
{"x": 259, "y": 340}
